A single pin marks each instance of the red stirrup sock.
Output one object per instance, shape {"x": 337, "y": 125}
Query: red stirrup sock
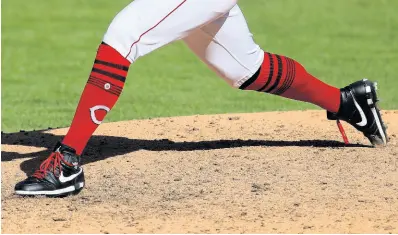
{"x": 280, "y": 75}
{"x": 100, "y": 94}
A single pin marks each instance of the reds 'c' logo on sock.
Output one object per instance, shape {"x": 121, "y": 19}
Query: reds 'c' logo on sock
{"x": 95, "y": 108}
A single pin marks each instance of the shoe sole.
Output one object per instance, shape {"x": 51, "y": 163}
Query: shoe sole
{"x": 59, "y": 192}
{"x": 371, "y": 91}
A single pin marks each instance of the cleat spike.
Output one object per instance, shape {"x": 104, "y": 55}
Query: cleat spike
{"x": 370, "y": 101}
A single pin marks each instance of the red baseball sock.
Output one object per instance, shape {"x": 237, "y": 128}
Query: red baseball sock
{"x": 283, "y": 76}
{"x": 102, "y": 90}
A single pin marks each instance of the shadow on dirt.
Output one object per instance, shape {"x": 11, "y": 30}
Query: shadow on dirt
{"x": 103, "y": 147}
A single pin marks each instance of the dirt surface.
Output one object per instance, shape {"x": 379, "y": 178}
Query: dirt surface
{"x": 277, "y": 172}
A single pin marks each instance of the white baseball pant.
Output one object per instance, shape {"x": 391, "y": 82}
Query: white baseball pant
{"x": 215, "y": 30}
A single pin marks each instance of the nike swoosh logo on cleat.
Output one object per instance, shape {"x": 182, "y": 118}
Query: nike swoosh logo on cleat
{"x": 64, "y": 179}
{"x": 364, "y": 121}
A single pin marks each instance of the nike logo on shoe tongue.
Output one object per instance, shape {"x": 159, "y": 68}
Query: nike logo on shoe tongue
{"x": 363, "y": 121}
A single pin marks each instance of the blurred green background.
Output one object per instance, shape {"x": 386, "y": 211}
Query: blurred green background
{"x": 48, "y": 47}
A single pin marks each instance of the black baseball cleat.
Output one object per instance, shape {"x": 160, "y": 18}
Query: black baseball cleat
{"x": 59, "y": 175}
{"x": 359, "y": 108}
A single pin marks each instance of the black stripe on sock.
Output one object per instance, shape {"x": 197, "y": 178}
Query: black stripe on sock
{"x": 278, "y": 78}
{"x": 109, "y": 74}
{"x": 102, "y": 88}
{"x": 116, "y": 66}
{"x": 113, "y": 87}
{"x": 250, "y": 80}
{"x": 288, "y": 77}
{"x": 104, "y": 82}
{"x": 271, "y": 72}
{"x": 291, "y": 77}
{"x": 117, "y": 93}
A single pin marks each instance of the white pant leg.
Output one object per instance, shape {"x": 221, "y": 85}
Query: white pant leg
{"x": 227, "y": 46}
{"x": 145, "y": 25}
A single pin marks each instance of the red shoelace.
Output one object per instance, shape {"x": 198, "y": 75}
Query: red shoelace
{"x": 341, "y": 129}
{"x": 54, "y": 162}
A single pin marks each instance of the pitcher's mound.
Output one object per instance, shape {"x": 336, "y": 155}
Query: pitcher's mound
{"x": 277, "y": 172}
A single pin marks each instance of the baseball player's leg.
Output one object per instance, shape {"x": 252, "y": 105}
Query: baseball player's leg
{"x": 226, "y": 45}
{"x": 140, "y": 28}
{"x": 143, "y": 26}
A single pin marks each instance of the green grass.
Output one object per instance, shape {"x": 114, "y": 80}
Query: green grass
{"x": 48, "y": 47}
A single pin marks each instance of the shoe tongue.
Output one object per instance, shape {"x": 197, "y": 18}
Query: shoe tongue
{"x": 62, "y": 148}
{"x": 68, "y": 153}
{"x": 70, "y": 158}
